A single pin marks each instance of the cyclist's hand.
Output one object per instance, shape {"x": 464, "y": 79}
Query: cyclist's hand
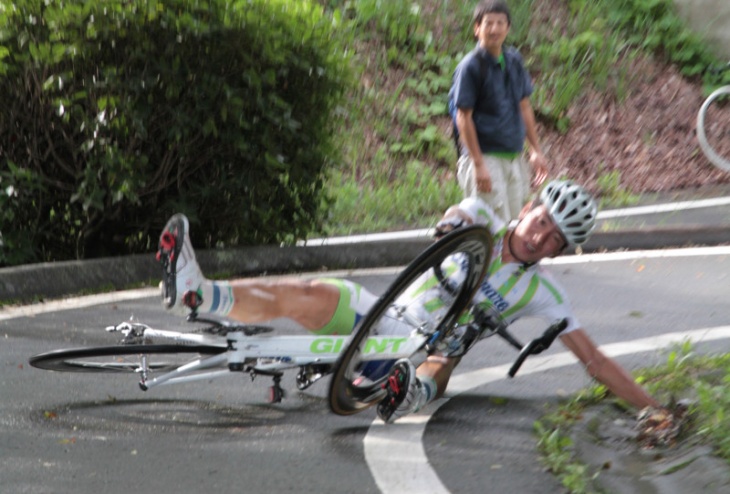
{"x": 659, "y": 427}
{"x": 447, "y": 225}
{"x": 453, "y": 219}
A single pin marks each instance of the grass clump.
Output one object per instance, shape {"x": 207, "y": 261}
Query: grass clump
{"x": 612, "y": 193}
{"x": 374, "y": 203}
{"x": 556, "y": 447}
{"x": 701, "y": 379}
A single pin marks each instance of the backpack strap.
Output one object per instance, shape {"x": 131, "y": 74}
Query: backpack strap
{"x": 482, "y": 78}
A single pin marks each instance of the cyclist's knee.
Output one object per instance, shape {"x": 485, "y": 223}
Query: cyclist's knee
{"x": 308, "y": 302}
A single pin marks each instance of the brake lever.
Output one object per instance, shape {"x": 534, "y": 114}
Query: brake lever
{"x": 538, "y": 345}
{"x": 495, "y": 323}
{"x": 502, "y": 331}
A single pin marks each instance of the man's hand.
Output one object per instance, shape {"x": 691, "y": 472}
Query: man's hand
{"x": 481, "y": 176}
{"x": 539, "y": 168}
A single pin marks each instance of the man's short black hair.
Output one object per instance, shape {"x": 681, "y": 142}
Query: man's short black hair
{"x": 491, "y": 7}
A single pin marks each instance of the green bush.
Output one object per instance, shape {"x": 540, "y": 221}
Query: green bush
{"x": 655, "y": 26}
{"x": 116, "y": 113}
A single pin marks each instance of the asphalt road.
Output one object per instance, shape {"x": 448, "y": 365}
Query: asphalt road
{"x": 67, "y": 433}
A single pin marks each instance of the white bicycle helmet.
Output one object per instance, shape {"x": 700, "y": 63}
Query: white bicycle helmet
{"x": 572, "y": 208}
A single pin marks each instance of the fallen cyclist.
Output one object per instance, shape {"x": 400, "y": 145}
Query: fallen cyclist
{"x": 516, "y": 286}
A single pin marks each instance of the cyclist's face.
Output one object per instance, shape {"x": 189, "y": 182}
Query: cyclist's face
{"x": 537, "y": 236}
{"x": 492, "y": 31}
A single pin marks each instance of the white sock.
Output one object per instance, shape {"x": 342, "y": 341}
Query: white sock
{"x": 217, "y": 297}
{"x": 428, "y": 392}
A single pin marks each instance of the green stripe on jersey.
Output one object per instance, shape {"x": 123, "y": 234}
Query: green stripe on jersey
{"x": 496, "y": 263}
{"x": 529, "y": 294}
{"x": 551, "y": 288}
{"x": 434, "y": 305}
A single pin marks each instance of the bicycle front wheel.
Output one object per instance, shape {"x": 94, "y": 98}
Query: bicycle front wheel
{"x": 122, "y": 358}
{"x": 426, "y": 299}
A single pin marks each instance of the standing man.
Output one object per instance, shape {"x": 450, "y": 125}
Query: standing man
{"x": 489, "y": 102}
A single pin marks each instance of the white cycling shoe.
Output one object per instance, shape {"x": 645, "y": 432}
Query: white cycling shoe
{"x": 180, "y": 270}
{"x": 404, "y": 392}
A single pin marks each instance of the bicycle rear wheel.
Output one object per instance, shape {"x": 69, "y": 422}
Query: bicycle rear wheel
{"x": 427, "y": 298}
{"x": 122, "y": 358}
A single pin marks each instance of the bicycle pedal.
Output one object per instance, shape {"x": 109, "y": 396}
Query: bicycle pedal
{"x": 386, "y": 407}
{"x": 192, "y": 300}
{"x": 167, "y": 241}
{"x": 395, "y": 382}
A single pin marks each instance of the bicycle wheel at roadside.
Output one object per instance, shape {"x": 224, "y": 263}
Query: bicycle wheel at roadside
{"x": 713, "y": 127}
{"x": 425, "y": 302}
{"x": 122, "y": 358}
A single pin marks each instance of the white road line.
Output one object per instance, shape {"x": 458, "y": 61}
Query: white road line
{"x": 721, "y": 250}
{"x": 105, "y": 298}
{"x": 75, "y": 303}
{"x": 395, "y": 453}
{"x": 664, "y": 208}
{"x": 671, "y": 207}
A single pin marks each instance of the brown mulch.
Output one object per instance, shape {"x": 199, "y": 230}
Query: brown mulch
{"x": 649, "y": 138}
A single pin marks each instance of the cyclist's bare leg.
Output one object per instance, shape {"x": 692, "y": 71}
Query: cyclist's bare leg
{"x": 310, "y": 303}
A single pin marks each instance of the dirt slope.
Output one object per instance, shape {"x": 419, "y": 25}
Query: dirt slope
{"x": 649, "y": 137}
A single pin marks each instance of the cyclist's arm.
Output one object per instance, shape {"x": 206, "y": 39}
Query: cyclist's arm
{"x": 606, "y": 370}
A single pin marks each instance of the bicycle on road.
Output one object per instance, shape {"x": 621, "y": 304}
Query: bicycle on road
{"x": 718, "y": 128}
{"x": 162, "y": 357}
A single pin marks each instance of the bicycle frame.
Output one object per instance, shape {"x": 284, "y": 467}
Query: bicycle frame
{"x": 269, "y": 354}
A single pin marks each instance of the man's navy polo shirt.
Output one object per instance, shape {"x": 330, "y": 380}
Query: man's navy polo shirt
{"x": 496, "y": 115}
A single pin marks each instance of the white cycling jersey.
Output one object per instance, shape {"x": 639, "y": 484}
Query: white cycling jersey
{"x": 513, "y": 290}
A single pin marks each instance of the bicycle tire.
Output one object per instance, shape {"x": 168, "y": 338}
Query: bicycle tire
{"x": 345, "y": 396}
{"x": 116, "y": 359}
{"x": 712, "y": 155}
